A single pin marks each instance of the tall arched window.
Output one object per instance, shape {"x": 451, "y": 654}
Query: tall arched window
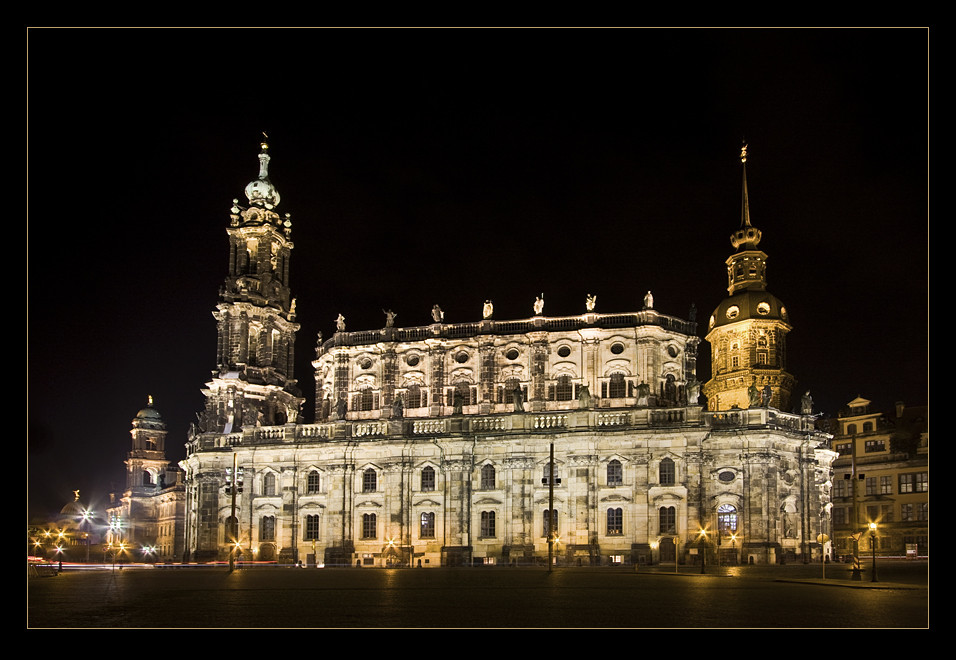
{"x": 550, "y": 521}
{"x": 269, "y": 484}
{"x": 488, "y": 476}
{"x": 615, "y": 473}
{"x": 488, "y": 524}
{"x": 428, "y": 478}
{"x": 413, "y": 396}
{"x": 267, "y": 528}
{"x": 427, "y": 529}
{"x": 667, "y": 520}
{"x": 312, "y": 528}
{"x": 615, "y": 522}
{"x": 667, "y": 473}
{"x": 727, "y": 519}
{"x": 369, "y": 481}
{"x": 313, "y": 482}
{"x": 369, "y": 526}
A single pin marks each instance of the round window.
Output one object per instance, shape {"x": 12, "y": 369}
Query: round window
{"x": 411, "y": 360}
{"x": 564, "y": 351}
{"x": 365, "y": 363}
{"x": 733, "y": 311}
{"x": 512, "y": 354}
{"x": 763, "y": 308}
{"x": 672, "y": 351}
{"x": 461, "y": 358}
{"x": 726, "y": 476}
{"x": 617, "y": 348}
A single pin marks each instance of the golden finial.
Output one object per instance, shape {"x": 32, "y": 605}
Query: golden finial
{"x": 149, "y": 400}
{"x": 76, "y": 495}
{"x": 743, "y": 153}
{"x": 265, "y": 141}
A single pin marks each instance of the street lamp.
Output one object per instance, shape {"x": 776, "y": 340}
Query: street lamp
{"x": 702, "y": 537}
{"x": 873, "y": 546}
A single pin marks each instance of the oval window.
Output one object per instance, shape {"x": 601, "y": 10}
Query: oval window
{"x": 411, "y": 360}
{"x": 512, "y": 354}
{"x": 763, "y": 308}
{"x": 564, "y": 351}
{"x": 617, "y": 348}
{"x": 726, "y": 476}
{"x": 461, "y": 358}
{"x": 733, "y": 311}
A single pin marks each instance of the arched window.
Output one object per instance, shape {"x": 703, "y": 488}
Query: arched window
{"x": 267, "y": 528}
{"x": 488, "y": 476}
{"x": 269, "y": 484}
{"x": 369, "y": 526}
{"x": 462, "y": 390}
{"x": 312, "y": 528}
{"x": 727, "y": 519}
{"x": 550, "y": 520}
{"x": 667, "y": 473}
{"x": 615, "y": 473}
{"x": 615, "y": 522}
{"x": 147, "y": 478}
{"x": 369, "y": 481}
{"x": 230, "y": 530}
{"x": 313, "y": 482}
{"x": 488, "y": 524}
{"x": 427, "y": 529}
{"x": 428, "y": 478}
{"x": 667, "y": 520}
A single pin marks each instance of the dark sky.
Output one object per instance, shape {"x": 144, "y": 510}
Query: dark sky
{"x": 450, "y": 167}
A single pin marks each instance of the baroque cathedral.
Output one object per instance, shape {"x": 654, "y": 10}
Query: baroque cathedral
{"x": 576, "y": 439}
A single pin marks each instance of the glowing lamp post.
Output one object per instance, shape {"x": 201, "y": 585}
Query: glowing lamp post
{"x": 873, "y": 546}
{"x": 703, "y": 550}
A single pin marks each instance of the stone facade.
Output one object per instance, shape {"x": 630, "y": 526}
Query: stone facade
{"x": 491, "y": 442}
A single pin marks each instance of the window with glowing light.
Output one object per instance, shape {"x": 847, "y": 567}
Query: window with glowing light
{"x": 427, "y": 530}
{"x": 727, "y": 519}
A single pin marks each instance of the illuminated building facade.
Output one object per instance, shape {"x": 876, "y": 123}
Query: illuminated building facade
{"x": 433, "y": 445}
{"x": 881, "y": 476}
{"x": 147, "y": 519}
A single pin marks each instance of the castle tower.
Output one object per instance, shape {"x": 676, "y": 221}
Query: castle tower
{"x": 146, "y": 463}
{"x": 253, "y": 384}
{"x": 747, "y": 332}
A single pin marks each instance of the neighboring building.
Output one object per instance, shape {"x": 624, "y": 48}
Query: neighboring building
{"x": 881, "y": 476}
{"x": 148, "y": 517}
{"x": 433, "y": 445}
{"x": 74, "y": 536}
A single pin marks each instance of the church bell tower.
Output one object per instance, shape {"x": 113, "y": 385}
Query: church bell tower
{"x": 747, "y": 332}
{"x": 253, "y": 384}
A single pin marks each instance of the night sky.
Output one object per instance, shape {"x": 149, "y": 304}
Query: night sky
{"x": 453, "y": 166}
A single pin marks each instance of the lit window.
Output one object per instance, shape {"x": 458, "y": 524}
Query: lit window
{"x": 615, "y": 473}
{"x": 886, "y": 485}
{"x": 727, "y": 519}
{"x": 874, "y": 445}
{"x": 427, "y": 530}
{"x": 428, "y": 478}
